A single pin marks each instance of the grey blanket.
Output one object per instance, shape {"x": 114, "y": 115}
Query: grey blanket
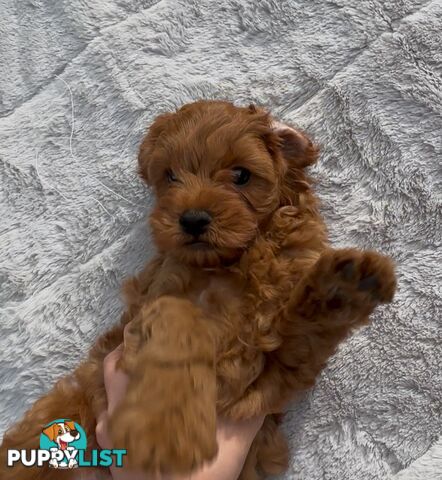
{"x": 79, "y": 84}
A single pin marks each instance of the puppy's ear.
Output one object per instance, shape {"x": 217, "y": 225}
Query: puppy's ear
{"x": 148, "y": 144}
{"x": 296, "y": 148}
{"x": 70, "y": 424}
{"x": 51, "y": 432}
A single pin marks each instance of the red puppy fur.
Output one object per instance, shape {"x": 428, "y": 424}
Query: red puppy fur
{"x": 240, "y": 309}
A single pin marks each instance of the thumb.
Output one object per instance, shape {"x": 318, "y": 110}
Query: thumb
{"x": 101, "y": 432}
{"x": 115, "y": 380}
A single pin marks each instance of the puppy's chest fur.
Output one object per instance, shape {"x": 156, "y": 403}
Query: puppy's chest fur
{"x": 241, "y": 303}
{"x": 240, "y": 308}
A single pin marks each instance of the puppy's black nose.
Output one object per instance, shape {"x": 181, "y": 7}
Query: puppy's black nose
{"x": 195, "y": 222}
{"x": 74, "y": 433}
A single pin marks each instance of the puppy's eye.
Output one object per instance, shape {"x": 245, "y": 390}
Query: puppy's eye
{"x": 171, "y": 176}
{"x": 241, "y": 175}
{"x": 60, "y": 432}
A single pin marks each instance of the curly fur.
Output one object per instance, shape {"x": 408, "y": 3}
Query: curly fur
{"x": 234, "y": 325}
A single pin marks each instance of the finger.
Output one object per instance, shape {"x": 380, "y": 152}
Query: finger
{"x": 243, "y": 429}
{"x": 101, "y": 431}
{"x": 131, "y": 339}
{"x": 115, "y": 380}
{"x": 251, "y": 426}
{"x": 126, "y": 329}
{"x": 110, "y": 365}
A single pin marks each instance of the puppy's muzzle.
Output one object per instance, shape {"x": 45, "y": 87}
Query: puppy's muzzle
{"x": 195, "y": 222}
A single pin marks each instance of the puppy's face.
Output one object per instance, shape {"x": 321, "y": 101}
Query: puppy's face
{"x": 219, "y": 172}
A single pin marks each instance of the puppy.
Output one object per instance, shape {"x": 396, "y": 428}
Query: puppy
{"x": 240, "y": 309}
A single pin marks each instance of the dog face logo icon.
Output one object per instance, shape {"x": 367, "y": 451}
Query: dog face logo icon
{"x": 62, "y": 434}
{"x": 63, "y": 438}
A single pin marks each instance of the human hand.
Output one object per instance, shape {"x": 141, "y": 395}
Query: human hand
{"x": 234, "y": 438}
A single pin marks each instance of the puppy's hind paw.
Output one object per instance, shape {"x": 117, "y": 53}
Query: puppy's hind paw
{"x": 171, "y": 432}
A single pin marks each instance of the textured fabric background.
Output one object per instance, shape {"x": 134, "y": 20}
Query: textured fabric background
{"x": 80, "y": 82}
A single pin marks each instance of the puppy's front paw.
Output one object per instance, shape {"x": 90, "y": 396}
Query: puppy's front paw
{"x": 350, "y": 276}
{"x": 350, "y": 280}
{"x": 362, "y": 273}
{"x": 171, "y": 432}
